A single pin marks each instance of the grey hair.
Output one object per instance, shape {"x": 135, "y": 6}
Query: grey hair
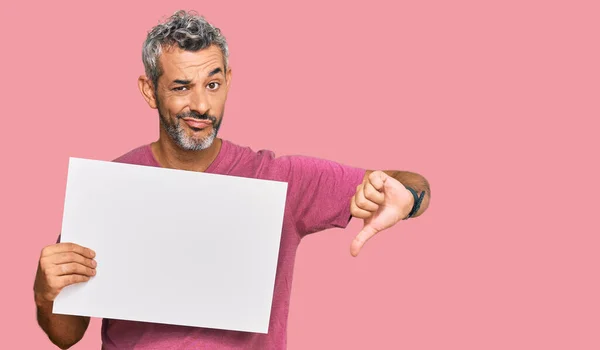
{"x": 188, "y": 31}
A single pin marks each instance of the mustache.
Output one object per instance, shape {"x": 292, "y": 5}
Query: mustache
{"x": 198, "y": 116}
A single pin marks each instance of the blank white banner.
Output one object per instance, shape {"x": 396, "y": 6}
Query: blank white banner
{"x": 173, "y": 246}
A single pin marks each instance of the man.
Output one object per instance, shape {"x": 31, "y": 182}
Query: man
{"x": 186, "y": 79}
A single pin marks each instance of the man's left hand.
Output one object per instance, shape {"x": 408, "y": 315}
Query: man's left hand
{"x": 381, "y": 201}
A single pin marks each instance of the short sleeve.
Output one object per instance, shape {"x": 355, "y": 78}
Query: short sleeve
{"x": 319, "y": 192}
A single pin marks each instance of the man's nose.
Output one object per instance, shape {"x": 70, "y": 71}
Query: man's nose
{"x": 199, "y": 102}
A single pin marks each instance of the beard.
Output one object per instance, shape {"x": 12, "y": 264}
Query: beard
{"x": 178, "y": 134}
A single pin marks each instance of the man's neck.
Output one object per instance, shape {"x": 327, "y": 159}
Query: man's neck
{"x": 169, "y": 155}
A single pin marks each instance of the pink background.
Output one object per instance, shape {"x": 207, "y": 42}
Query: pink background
{"x": 495, "y": 103}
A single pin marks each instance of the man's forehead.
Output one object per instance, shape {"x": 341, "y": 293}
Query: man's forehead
{"x": 176, "y": 61}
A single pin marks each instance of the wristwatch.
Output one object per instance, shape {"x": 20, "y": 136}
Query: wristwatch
{"x": 417, "y": 202}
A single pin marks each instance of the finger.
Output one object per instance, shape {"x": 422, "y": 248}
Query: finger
{"x": 363, "y": 203}
{"x": 68, "y": 280}
{"x": 69, "y": 257}
{"x": 357, "y": 212}
{"x": 360, "y": 239}
{"x": 68, "y": 247}
{"x": 377, "y": 179}
{"x": 73, "y": 269}
{"x": 373, "y": 195}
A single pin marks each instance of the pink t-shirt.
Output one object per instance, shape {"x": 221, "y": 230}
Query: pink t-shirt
{"x": 318, "y": 198}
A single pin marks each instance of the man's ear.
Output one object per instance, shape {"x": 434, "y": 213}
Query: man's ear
{"x": 228, "y": 78}
{"x": 147, "y": 90}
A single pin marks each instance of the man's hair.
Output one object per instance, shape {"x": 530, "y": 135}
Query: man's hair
{"x": 188, "y": 31}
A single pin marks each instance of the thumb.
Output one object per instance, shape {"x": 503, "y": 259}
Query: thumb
{"x": 363, "y": 236}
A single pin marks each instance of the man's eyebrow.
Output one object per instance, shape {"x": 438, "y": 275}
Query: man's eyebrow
{"x": 188, "y": 82}
{"x": 215, "y": 71}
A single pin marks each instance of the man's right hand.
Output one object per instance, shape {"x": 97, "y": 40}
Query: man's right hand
{"x": 61, "y": 265}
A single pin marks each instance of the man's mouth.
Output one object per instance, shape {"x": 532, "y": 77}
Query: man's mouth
{"x": 197, "y": 123}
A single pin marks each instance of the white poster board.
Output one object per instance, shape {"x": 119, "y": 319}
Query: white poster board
{"x": 173, "y": 246}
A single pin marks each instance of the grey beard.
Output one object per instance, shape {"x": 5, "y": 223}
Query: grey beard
{"x": 178, "y": 135}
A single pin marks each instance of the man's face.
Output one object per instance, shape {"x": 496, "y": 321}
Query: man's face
{"x": 191, "y": 95}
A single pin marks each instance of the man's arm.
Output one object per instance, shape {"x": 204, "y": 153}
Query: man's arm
{"x": 63, "y": 331}
{"x": 61, "y": 265}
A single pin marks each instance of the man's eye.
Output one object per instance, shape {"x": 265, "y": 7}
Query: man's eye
{"x": 213, "y": 86}
{"x": 180, "y": 88}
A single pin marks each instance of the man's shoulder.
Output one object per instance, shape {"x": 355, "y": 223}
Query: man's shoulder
{"x": 264, "y": 156}
{"x": 141, "y": 155}
{"x": 265, "y": 164}
{"x": 236, "y": 153}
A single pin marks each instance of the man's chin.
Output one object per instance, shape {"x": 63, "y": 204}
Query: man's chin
{"x": 196, "y": 144}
